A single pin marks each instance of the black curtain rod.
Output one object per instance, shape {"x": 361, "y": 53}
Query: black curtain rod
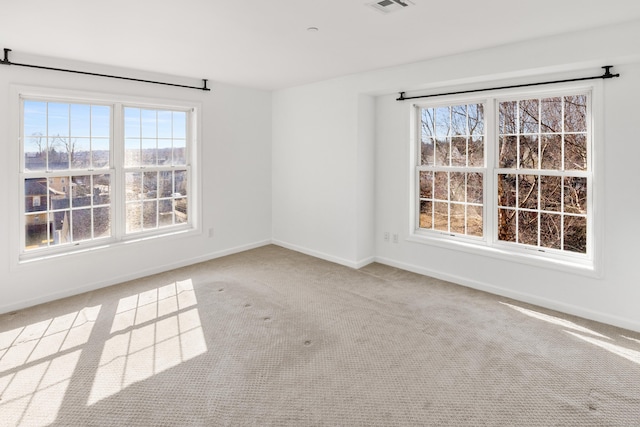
{"x": 6, "y": 61}
{"x": 607, "y": 75}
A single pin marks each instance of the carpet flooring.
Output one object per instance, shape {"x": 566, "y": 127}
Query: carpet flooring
{"x": 271, "y": 337}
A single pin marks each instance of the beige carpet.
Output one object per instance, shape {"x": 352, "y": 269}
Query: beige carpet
{"x": 270, "y": 337}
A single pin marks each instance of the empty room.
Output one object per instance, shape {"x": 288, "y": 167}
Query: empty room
{"x": 319, "y": 213}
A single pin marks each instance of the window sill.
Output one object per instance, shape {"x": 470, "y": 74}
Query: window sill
{"x": 105, "y": 244}
{"x": 584, "y": 267}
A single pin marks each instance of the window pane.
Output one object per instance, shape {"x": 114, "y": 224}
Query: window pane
{"x": 81, "y": 193}
{"x": 550, "y": 230}
{"x": 180, "y": 183}
{"x": 457, "y": 218}
{"x": 132, "y": 123}
{"x": 529, "y": 152}
{"x": 180, "y": 124}
{"x": 551, "y": 152}
{"x": 507, "y": 190}
{"x": 507, "y": 225}
{"x": 165, "y": 124}
{"x": 426, "y": 152}
{"x": 149, "y": 124}
{"x": 134, "y": 217}
{"x": 34, "y": 118}
{"x": 80, "y": 153}
{"x": 575, "y": 113}
{"x": 441, "y": 186}
{"x": 80, "y": 120}
{"x": 58, "y": 119}
{"x": 457, "y": 187}
{"x": 165, "y": 150}
{"x": 36, "y": 195}
{"x": 100, "y": 152}
{"x": 149, "y": 152}
{"x": 575, "y": 195}
{"x": 551, "y": 115}
{"x": 474, "y": 220}
{"x": 427, "y": 117}
{"x": 441, "y": 216}
{"x": 529, "y": 116}
{"x": 81, "y": 220}
{"x": 528, "y": 191}
{"x": 458, "y": 151}
{"x": 528, "y": 228}
{"x": 476, "y": 119}
{"x": 58, "y": 153}
{"x": 550, "y": 193}
{"x": 102, "y": 222}
{"x": 575, "y": 152}
{"x": 508, "y": 114}
{"x": 59, "y": 192}
{"x": 426, "y": 211}
{"x": 180, "y": 210}
{"x": 101, "y": 189}
{"x": 474, "y": 188}
{"x": 100, "y": 121}
{"x": 132, "y": 156}
{"x": 508, "y": 151}
{"x": 443, "y": 122}
{"x": 426, "y": 185}
{"x": 165, "y": 184}
{"x": 35, "y": 153}
{"x": 61, "y": 227}
{"x": 476, "y": 152}
{"x": 133, "y": 185}
{"x": 165, "y": 213}
{"x": 459, "y": 120}
{"x": 575, "y": 234}
{"x": 179, "y": 152}
{"x": 36, "y": 231}
{"x": 150, "y": 214}
{"x": 150, "y": 185}
{"x": 443, "y": 148}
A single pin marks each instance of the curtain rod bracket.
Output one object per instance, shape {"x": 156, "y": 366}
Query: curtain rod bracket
{"x": 6, "y": 61}
{"x": 6, "y": 57}
{"x": 607, "y": 72}
{"x": 607, "y": 75}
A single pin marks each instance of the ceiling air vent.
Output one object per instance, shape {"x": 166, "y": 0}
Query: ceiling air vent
{"x": 388, "y": 6}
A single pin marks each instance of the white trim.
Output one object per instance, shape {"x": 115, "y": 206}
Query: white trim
{"x": 571, "y": 309}
{"x": 322, "y": 255}
{"x": 127, "y": 277}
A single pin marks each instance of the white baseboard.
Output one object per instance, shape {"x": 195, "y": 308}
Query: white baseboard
{"x": 519, "y": 296}
{"x": 347, "y": 263}
{"x": 126, "y": 277}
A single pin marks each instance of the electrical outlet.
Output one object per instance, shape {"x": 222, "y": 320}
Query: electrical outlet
{"x": 386, "y": 236}
{"x": 395, "y": 237}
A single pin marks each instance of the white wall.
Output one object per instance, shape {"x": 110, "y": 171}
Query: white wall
{"x": 236, "y": 185}
{"x": 320, "y": 162}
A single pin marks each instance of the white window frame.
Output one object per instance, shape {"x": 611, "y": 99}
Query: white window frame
{"x": 116, "y": 169}
{"x": 589, "y": 264}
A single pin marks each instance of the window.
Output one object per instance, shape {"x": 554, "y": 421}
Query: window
{"x": 511, "y": 172}
{"x": 96, "y": 171}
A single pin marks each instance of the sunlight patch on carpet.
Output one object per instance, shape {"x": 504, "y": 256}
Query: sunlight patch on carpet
{"x": 37, "y": 362}
{"x": 554, "y": 320}
{"x": 151, "y": 332}
{"x": 619, "y": 350}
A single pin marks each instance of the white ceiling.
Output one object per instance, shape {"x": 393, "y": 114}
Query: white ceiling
{"x": 265, "y": 43}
